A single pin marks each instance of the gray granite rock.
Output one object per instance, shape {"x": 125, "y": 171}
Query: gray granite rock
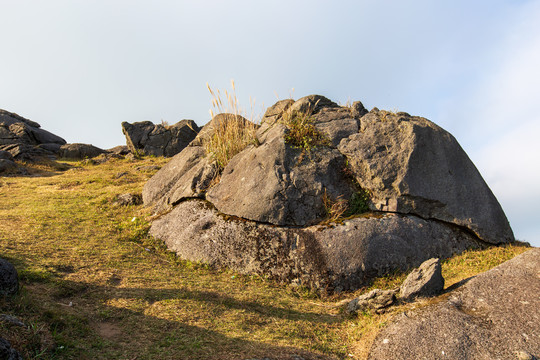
{"x": 412, "y": 166}
{"x": 328, "y": 258}
{"x": 278, "y": 184}
{"x": 79, "y": 151}
{"x": 425, "y": 281}
{"x": 7, "y": 352}
{"x": 14, "y": 129}
{"x": 494, "y": 315}
{"x": 7, "y": 166}
{"x": 158, "y": 139}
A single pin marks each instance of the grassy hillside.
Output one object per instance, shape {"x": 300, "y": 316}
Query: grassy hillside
{"x": 95, "y": 286}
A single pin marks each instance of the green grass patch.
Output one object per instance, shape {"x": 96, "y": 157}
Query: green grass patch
{"x": 94, "y": 285}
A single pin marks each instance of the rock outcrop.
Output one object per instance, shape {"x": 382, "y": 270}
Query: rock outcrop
{"x": 492, "y": 316}
{"x": 25, "y": 140}
{"x": 157, "y": 139}
{"x": 321, "y": 257}
{"x": 425, "y": 197}
{"x": 15, "y": 129}
{"x": 78, "y": 151}
{"x": 410, "y": 165}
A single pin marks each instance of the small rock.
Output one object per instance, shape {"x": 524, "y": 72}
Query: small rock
{"x": 119, "y": 150}
{"x": 7, "y": 352}
{"x": 9, "y": 280}
{"x": 6, "y": 155}
{"x": 427, "y": 280}
{"x": 148, "y": 168}
{"x": 12, "y": 320}
{"x": 121, "y": 174}
{"x": 128, "y": 199}
{"x": 374, "y": 300}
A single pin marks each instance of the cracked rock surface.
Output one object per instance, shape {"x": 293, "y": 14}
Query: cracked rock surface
{"x": 425, "y": 196}
{"x": 157, "y": 139}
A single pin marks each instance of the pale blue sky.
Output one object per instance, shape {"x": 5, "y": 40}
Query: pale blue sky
{"x": 81, "y": 67}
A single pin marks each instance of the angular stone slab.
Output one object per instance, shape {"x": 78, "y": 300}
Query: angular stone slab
{"x": 187, "y": 174}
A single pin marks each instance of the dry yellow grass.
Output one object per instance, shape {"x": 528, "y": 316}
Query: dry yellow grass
{"x": 132, "y": 299}
{"x": 232, "y": 133}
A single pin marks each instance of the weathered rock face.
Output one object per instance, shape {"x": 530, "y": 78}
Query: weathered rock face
{"x": 25, "y": 140}
{"x": 15, "y": 129}
{"x": 275, "y": 191}
{"x": 274, "y": 183}
{"x": 9, "y": 280}
{"x": 493, "y": 316}
{"x": 79, "y": 151}
{"x": 327, "y": 258}
{"x": 189, "y": 174}
{"x": 411, "y": 165}
{"x": 427, "y": 280}
{"x": 157, "y": 139}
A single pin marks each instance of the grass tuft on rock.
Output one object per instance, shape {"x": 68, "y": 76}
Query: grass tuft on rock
{"x": 231, "y": 132}
{"x": 301, "y": 132}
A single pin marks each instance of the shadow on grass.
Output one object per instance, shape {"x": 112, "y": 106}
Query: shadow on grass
{"x": 91, "y": 329}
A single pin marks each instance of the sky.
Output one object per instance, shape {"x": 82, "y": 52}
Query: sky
{"x": 80, "y": 68}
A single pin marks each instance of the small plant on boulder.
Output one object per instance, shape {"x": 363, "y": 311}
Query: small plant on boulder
{"x": 335, "y": 208}
{"x": 301, "y": 132}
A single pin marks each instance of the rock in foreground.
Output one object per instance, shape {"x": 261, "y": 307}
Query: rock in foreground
{"x": 495, "y": 315}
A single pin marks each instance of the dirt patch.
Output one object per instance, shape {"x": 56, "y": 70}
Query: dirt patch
{"x": 108, "y": 330}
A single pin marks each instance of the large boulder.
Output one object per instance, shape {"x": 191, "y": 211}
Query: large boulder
{"x": 412, "y": 166}
{"x": 190, "y": 173}
{"x": 495, "y": 315}
{"x": 158, "y": 139}
{"x": 276, "y": 183}
{"x": 279, "y": 189}
{"x": 331, "y": 258}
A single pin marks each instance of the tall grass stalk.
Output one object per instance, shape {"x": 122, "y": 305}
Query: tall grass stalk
{"x": 231, "y": 132}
